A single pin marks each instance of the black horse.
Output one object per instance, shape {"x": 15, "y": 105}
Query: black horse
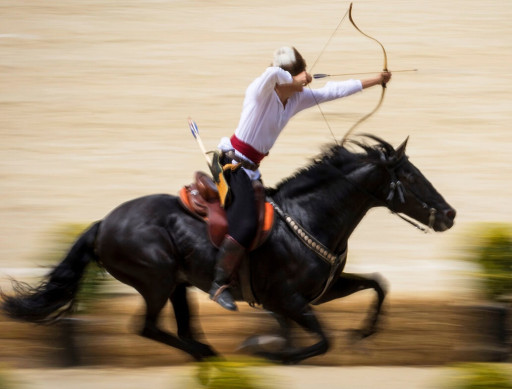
{"x": 155, "y": 246}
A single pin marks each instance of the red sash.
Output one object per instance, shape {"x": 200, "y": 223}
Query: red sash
{"x": 247, "y": 150}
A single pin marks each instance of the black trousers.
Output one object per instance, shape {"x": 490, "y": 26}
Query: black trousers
{"x": 241, "y": 210}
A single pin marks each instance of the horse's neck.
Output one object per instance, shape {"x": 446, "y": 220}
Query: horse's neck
{"x": 332, "y": 212}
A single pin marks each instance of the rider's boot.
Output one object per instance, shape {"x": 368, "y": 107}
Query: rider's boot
{"x": 228, "y": 258}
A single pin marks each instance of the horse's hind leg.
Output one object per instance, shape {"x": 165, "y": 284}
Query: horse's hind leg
{"x": 182, "y": 314}
{"x": 348, "y": 284}
{"x": 155, "y": 301}
{"x": 155, "y": 286}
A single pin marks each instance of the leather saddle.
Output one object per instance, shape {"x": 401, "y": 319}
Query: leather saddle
{"x": 201, "y": 199}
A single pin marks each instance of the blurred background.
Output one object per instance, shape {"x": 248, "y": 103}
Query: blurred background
{"x": 95, "y": 95}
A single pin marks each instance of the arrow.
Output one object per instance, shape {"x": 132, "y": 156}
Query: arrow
{"x": 195, "y": 132}
{"x": 323, "y": 75}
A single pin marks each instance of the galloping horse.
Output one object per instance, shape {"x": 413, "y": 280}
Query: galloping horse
{"x": 159, "y": 249}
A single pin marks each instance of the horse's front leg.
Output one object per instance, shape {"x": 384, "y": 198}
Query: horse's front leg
{"x": 295, "y": 308}
{"x": 349, "y": 283}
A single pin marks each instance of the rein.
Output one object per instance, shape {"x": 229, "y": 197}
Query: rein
{"x": 396, "y": 185}
{"x": 396, "y": 188}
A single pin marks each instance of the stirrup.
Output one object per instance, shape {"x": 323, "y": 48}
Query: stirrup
{"x": 221, "y": 295}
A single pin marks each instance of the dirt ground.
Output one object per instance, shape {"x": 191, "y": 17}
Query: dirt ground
{"x": 417, "y": 344}
{"x": 94, "y": 98}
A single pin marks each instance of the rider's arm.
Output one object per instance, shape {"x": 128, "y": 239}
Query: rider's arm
{"x": 382, "y": 78}
{"x": 265, "y": 84}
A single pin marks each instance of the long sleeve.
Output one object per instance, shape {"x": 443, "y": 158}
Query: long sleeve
{"x": 331, "y": 91}
{"x": 265, "y": 84}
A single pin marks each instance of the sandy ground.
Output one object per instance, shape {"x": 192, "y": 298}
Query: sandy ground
{"x": 185, "y": 377}
{"x": 94, "y": 98}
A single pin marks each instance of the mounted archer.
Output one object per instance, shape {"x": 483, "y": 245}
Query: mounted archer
{"x": 270, "y": 102}
{"x": 160, "y": 248}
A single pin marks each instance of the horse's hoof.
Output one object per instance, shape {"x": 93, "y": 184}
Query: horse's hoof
{"x": 263, "y": 343}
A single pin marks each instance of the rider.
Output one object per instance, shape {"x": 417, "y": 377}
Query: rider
{"x": 270, "y": 101}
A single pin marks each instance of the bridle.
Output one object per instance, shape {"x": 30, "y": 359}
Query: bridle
{"x": 397, "y": 190}
{"x": 400, "y": 189}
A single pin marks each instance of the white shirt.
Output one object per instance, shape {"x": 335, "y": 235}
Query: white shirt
{"x": 264, "y": 116}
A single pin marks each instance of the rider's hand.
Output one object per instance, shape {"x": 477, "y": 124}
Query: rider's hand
{"x": 385, "y": 77}
{"x": 302, "y": 79}
{"x": 382, "y": 79}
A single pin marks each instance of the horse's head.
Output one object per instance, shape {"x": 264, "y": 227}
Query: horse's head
{"x": 384, "y": 174}
{"x": 407, "y": 190}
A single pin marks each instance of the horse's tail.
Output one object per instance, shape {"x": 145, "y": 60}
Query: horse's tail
{"x": 55, "y": 295}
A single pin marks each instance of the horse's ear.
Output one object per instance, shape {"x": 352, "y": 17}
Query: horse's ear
{"x": 400, "y": 151}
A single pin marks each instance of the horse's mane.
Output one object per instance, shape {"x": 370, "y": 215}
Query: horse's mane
{"x": 336, "y": 160}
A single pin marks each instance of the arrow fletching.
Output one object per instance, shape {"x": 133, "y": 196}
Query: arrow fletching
{"x": 195, "y": 132}
{"x": 193, "y": 128}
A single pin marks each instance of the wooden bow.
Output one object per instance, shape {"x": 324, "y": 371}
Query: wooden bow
{"x": 385, "y": 69}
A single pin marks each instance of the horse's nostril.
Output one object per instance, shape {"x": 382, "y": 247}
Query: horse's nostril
{"x": 450, "y": 213}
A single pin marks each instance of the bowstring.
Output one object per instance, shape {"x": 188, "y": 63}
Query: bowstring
{"x": 329, "y": 40}
{"x": 385, "y": 68}
{"x": 311, "y": 70}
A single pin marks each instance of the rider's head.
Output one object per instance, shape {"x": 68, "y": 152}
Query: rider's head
{"x": 289, "y": 59}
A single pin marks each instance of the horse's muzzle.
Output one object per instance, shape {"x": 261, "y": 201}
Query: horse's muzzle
{"x": 445, "y": 219}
